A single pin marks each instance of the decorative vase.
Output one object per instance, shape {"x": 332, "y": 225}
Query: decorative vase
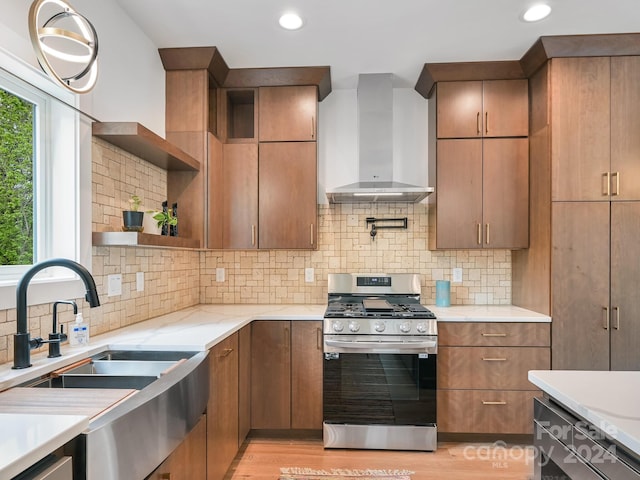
{"x": 132, "y": 221}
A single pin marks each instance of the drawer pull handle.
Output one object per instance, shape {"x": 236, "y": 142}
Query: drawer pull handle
{"x": 494, "y": 334}
{"x": 226, "y": 352}
{"x": 493, "y": 403}
{"x": 494, "y": 359}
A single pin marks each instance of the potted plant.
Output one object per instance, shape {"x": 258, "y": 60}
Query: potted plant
{"x": 132, "y": 218}
{"x": 165, "y": 220}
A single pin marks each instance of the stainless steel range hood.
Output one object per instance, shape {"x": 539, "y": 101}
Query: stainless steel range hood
{"x": 375, "y": 144}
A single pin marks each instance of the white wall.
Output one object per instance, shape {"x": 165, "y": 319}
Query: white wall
{"x": 338, "y": 134}
{"x": 131, "y": 79}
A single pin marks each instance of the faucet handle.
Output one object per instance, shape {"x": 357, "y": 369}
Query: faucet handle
{"x": 63, "y": 336}
{"x": 36, "y": 342}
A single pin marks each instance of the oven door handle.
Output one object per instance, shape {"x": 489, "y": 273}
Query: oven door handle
{"x": 374, "y": 347}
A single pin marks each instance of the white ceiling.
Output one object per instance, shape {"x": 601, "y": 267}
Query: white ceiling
{"x": 371, "y": 36}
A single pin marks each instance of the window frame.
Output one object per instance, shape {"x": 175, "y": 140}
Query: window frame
{"x": 63, "y": 221}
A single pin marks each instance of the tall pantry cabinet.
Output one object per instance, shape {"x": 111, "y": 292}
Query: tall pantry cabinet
{"x": 582, "y": 266}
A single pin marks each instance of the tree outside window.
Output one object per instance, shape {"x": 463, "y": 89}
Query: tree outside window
{"x": 16, "y": 180}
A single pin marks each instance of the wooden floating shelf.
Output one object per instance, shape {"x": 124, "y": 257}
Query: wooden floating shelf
{"x": 137, "y": 239}
{"x": 142, "y": 142}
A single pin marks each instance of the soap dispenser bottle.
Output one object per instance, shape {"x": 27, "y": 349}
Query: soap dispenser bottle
{"x": 79, "y": 334}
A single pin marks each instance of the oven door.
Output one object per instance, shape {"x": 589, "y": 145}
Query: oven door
{"x": 377, "y": 383}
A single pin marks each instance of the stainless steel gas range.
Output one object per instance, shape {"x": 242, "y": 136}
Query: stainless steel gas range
{"x": 379, "y": 379}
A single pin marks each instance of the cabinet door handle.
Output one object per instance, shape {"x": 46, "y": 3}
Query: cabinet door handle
{"x": 489, "y": 359}
{"x": 313, "y": 127}
{"x": 606, "y": 184}
{"x": 311, "y": 239}
{"x": 486, "y": 123}
{"x": 479, "y": 234}
{"x": 165, "y": 476}
{"x": 616, "y": 325}
{"x": 616, "y": 192}
{"x": 478, "y": 123}
{"x": 605, "y": 322}
{"x": 494, "y": 334}
{"x": 493, "y": 403}
{"x": 225, "y": 353}
{"x": 286, "y": 337}
{"x": 253, "y": 235}
{"x": 487, "y": 234}
{"x": 319, "y": 338}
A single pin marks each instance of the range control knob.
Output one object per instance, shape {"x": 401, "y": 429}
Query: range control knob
{"x": 338, "y": 326}
{"x": 379, "y": 326}
{"x": 405, "y": 327}
{"x": 421, "y": 327}
{"x": 354, "y": 326}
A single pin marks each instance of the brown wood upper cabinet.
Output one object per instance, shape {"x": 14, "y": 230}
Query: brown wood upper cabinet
{"x": 288, "y": 113}
{"x": 287, "y": 208}
{"x": 482, "y": 193}
{"x": 595, "y": 118}
{"x": 490, "y": 108}
{"x": 240, "y": 196}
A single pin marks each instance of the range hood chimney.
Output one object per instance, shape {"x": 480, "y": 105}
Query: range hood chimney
{"x": 375, "y": 145}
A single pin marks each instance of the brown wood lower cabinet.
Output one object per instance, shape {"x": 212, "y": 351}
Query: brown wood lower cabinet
{"x": 482, "y": 375}
{"x": 222, "y": 409}
{"x": 286, "y": 374}
{"x": 188, "y": 461}
{"x": 486, "y": 411}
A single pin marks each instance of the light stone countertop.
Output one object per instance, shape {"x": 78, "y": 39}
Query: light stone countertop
{"x": 195, "y": 328}
{"x": 26, "y": 438}
{"x": 487, "y": 313}
{"x": 609, "y": 400}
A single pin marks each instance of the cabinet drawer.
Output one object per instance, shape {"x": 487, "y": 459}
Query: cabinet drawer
{"x": 490, "y": 367}
{"x": 494, "y": 334}
{"x": 486, "y": 411}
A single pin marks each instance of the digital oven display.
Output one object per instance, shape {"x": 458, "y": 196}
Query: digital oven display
{"x": 373, "y": 281}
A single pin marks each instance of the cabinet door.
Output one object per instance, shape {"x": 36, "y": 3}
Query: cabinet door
{"x": 288, "y": 113}
{"x": 506, "y": 108}
{"x": 222, "y": 409}
{"x": 270, "y": 374}
{"x": 188, "y": 461}
{"x": 306, "y": 375}
{"x": 240, "y": 203}
{"x": 287, "y": 195}
{"x": 505, "y": 192}
{"x": 580, "y": 286}
{"x": 580, "y": 133}
{"x": 459, "y": 194}
{"x": 459, "y": 109}
{"x": 625, "y": 278}
{"x": 625, "y": 125}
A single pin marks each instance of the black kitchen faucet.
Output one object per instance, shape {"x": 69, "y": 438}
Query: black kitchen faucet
{"x": 22, "y": 343}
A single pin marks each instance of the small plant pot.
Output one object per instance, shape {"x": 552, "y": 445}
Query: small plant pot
{"x": 132, "y": 221}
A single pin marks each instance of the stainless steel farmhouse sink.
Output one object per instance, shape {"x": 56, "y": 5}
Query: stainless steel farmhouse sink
{"x": 128, "y": 441}
{"x": 116, "y": 369}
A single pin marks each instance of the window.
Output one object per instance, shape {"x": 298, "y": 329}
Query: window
{"x": 45, "y": 191}
{"x": 16, "y": 179}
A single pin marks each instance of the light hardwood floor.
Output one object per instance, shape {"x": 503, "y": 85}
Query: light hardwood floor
{"x": 262, "y": 458}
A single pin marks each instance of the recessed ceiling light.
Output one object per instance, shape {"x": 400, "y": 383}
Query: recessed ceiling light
{"x": 290, "y": 21}
{"x": 536, "y": 12}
